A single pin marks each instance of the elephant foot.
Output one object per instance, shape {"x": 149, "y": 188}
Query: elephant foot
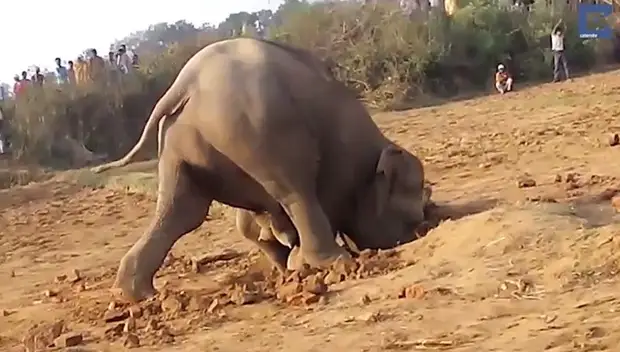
{"x": 134, "y": 292}
{"x": 298, "y": 257}
{"x": 132, "y": 285}
{"x": 295, "y": 260}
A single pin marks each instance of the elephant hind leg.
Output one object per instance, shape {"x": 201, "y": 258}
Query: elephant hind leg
{"x": 262, "y": 237}
{"x": 181, "y": 208}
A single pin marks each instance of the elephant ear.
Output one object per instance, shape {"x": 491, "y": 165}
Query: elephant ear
{"x": 385, "y": 176}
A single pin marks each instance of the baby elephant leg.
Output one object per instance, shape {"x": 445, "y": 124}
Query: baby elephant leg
{"x": 263, "y": 238}
{"x": 277, "y": 226}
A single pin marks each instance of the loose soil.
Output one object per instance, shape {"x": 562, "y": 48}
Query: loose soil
{"x": 524, "y": 259}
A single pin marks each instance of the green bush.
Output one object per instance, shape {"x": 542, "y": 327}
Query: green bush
{"x": 389, "y": 58}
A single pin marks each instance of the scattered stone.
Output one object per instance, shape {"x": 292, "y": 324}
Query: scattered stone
{"x": 289, "y": 289}
{"x": 57, "y": 328}
{"x": 60, "y": 278}
{"x": 614, "y": 140}
{"x": 301, "y": 273}
{"x": 50, "y": 293}
{"x": 130, "y": 325}
{"x": 80, "y": 287}
{"x": 365, "y": 300}
{"x": 333, "y": 278}
{"x": 153, "y": 325}
{"x": 303, "y": 298}
{"x": 550, "y": 318}
{"x": 135, "y": 312}
{"x": 213, "y": 306}
{"x": 572, "y": 177}
{"x": 153, "y": 307}
{"x": 6, "y": 313}
{"x": 197, "y": 303}
{"x": 315, "y": 284}
{"x": 526, "y": 181}
{"x": 615, "y": 202}
{"x": 367, "y": 254}
{"x": 115, "y": 330}
{"x": 595, "y": 332}
{"x": 165, "y": 335}
{"x": 114, "y": 316}
{"x": 131, "y": 341}
{"x": 171, "y": 305}
{"x": 12, "y": 273}
{"x": 242, "y": 297}
{"x": 198, "y": 262}
{"x": 558, "y": 178}
{"x": 68, "y": 340}
{"x": 344, "y": 266}
{"x": 541, "y": 199}
{"x": 112, "y": 306}
{"x": 74, "y": 276}
{"x": 412, "y": 292}
{"x": 369, "y": 317}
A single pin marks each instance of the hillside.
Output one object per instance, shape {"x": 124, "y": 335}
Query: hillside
{"x": 515, "y": 269}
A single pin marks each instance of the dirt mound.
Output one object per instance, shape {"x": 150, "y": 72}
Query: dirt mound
{"x": 546, "y": 247}
{"x": 177, "y": 312}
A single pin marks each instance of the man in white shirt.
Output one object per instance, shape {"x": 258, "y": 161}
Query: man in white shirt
{"x": 3, "y": 144}
{"x": 123, "y": 62}
{"x": 557, "y": 47}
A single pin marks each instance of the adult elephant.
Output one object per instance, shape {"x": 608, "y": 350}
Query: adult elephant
{"x": 263, "y": 126}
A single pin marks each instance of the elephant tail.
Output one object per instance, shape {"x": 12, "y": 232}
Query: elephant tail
{"x": 168, "y": 106}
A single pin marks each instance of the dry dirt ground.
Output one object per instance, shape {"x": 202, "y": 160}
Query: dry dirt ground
{"x": 527, "y": 262}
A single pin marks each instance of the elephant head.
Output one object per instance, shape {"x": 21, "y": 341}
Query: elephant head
{"x": 391, "y": 206}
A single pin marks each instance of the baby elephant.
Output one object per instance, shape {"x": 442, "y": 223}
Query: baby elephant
{"x": 274, "y": 235}
{"x": 270, "y": 228}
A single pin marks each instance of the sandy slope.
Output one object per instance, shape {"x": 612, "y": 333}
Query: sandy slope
{"x": 517, "y": 269}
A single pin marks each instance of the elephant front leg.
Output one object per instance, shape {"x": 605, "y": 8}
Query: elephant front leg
{"x": 180, "y": 209}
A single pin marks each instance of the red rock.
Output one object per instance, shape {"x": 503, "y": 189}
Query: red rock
{"x": 315, "y": 284}
{"x": 131, "y": 341}
{"x": 615, "y": 202}
{"x": 68, "y": 340}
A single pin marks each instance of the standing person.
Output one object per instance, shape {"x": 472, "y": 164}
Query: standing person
{"x": 62, "y": 74}
{"x": 21, "y": 84}
{"x": 38, "y": 78}
{"x": 3, "y": 146}
{"x": 134, "y": 59}
{"x": 4, "y": 142}
{"x": 503, "y": 80}
{"x": 80, "y": 70}
{"x": 112, "y": 58}
{"x": 70, "y": 72}
{"x": 96, "y": 66}
{"x": 557, "y": 47}
{"x": 123, "y": 61}
{"x": 17, "y": 86}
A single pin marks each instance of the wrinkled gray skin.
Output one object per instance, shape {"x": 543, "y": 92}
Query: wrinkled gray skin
{"x": 263, "y": 127}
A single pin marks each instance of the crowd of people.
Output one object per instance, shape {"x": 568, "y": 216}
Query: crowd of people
{"x": 85, "y": 69}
